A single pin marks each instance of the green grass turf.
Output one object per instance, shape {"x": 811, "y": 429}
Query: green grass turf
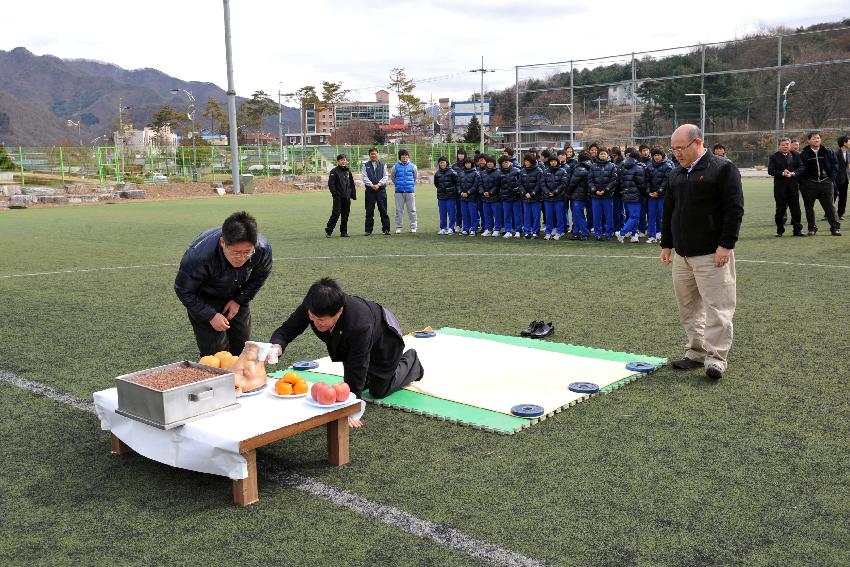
{"x": 673, "y": 470}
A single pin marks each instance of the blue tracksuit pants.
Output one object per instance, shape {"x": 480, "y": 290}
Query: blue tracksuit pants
{"x": 656, "y": 212}
{"x": 579, "y": 224}
{"x": 531, "y": 217}
{"x": 603, "y": 216}
{"x": 447, "y": 213}
{"x": 632, "y": 222}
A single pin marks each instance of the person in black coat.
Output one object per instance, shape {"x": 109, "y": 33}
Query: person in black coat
{"x": 365, "y": 336}
{"x": 818, "y": 172}
{"x": 783, "y": 166}
{"x": 341, "y": 186}
{"x": 219, "y": 275}
{"x": 842, "y": 155}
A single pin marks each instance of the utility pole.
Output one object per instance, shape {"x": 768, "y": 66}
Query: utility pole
{"x": 231, "y": 103}
{"x": 280, "y": 129}
{"x": 482, "y": 70}
{"x": 701, "y": 110}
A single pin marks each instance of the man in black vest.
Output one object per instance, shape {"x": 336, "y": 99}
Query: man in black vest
{"x": 818, "y": 171}
{"x": 783, "y": 167}
{"x": 341, "y": 186}
{"x": 375, "y": 180}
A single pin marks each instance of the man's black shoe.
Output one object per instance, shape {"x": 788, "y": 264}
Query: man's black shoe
{"x": 799, "y": 234}
{"x": 531, "y": 328}
{"x": 836, "y": 233}
{"x": 344, "y": 235}
{"x": 544, "y": 330}
{"x": 328, "y": 234}
{"x": 386, "y": 233}
{"x": 713, "y": 371}
{"x": 367, "y": 234}
{"x": 779, "y": 235}
{"x": 686, "y": 364}
{"x": 813, "y": 232}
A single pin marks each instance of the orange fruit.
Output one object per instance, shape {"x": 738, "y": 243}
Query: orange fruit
{"x": 291, "y": 377}
{"x": 229, "y": 361}
{"x": 222, "y": 355}
{"x": 283, "y": 388}
{"x": 300, "y": 387}
{"x": 210, "y": 361}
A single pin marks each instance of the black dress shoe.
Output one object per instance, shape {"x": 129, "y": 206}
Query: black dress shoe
{"x": 836, "y": 233}
{"x": 779, "y": 235}
{"x": 367, "y": 234}
{"x": 531, "y": 328}
{"x": 386, "y": 233}
{"x": 344, "y": 235}
{"x": 686, "y": 364}
{"x": 799, "y": 234}
{"x": 544, "y": 330}
{"x": 713, "y": 371}
{"x": 328, "y": 234}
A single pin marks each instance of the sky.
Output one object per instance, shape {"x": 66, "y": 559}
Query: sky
{"x": 281, "y": 46}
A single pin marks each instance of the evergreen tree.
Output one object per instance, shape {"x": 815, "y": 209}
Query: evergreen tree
{"x": 473, "y": 131}
{"x": 5, "y": 161}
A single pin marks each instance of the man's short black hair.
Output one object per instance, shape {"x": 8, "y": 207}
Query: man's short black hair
{"x": 842, "y": 140}
{"x": 810, "y": 134}
{"x": 239, "y": 227}
{"x": 372, "y": 150}
{"x": 403, "y": 153}
{"x": 324, "y": 298}
{"x": 340, "y": 156}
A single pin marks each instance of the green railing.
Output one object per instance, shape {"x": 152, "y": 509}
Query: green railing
{"x": 107, "y": 164}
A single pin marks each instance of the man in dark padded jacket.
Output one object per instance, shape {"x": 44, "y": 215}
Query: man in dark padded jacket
{"x": 219, "y": 275}
{"x": 365, "y": 336}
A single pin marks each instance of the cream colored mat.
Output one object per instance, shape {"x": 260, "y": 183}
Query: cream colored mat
{"x": 497, "y": 376}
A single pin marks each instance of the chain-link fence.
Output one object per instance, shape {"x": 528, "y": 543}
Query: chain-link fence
{"x": 744, "y": 93}
{"x": 61, "y": 165}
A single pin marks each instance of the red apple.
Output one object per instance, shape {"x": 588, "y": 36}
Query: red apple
{"x": 342, "y": 391}
{"x": 318, "y": 387}
{"x": 327, "y": 396}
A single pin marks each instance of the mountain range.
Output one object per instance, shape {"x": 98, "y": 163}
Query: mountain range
{"x": 40, "y": 93}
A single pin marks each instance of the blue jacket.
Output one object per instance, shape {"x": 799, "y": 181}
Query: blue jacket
{"x": 656, "y": 177}
{"x": 579, "y": 188}
{"x": 530, "y": 182}
{"x": 509, "y": 184}
{"x": 633, "y": 181}
{"x": 490, "y": 181}
{"x": 457, "y": 166}
{"x": 205, "y": 276}
{"x": 469, "y": 182}
{"x": 554, "y": 183}
{"x": 446, "y": 182}
{"x": 404, "y": 177}
{"x": 603, "y": 178}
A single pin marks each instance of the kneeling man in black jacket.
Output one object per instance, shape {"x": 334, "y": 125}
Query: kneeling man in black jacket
{"x": 365, "y": 336}
{"x": 219, "y": 275}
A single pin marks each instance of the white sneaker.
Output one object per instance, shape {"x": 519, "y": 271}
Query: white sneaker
{"x": 449, "y": 231}
{"x": 517, "y": 235}
{"x": 496, "y": 234}
{"x": 442, "y": 231}
{"x": 508, "y": 235}
{"x": 556, "y": 237}
{"x": 464, "y": 233}
{"x": 651, "y": 240}
{"x": 658, "y": 236}
{"x": 412, "y": 231}
{"x": 547, "y": 237}
{"x": 641, "y": 234}
{"x": 621, "y": 238}
{"x": 487, "y": 233}
{"x": 398, "y": 231}
{"x": 634, "y": 238}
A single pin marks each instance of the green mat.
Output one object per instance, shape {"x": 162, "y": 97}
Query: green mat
{"x": 488, "y": 420}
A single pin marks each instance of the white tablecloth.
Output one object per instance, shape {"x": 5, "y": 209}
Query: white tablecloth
{"x": 208, "y": 445}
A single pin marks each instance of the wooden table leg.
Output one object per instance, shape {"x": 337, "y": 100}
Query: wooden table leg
{"x": 338, "y": 442}
{"x": 245, "y": 489}
{"x": 119, "y": 447}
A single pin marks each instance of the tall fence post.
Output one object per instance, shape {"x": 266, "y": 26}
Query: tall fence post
{"x": 778, "y": 86}
{"x": 516, "y": 86}
{"x": 62, "y": 164}
{"x": 21, "y": 164}
{"x": 634, "y": 100}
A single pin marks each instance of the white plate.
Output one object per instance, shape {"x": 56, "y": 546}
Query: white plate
{"x": 274, "y": 393}
{"x": 311, "y": 402}
{"x": 253, "y": 392}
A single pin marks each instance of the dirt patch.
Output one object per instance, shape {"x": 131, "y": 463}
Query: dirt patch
{"x": 165, "y": 191}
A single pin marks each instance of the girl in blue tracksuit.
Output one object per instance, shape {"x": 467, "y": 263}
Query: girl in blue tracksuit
{"x": 509, "y": 195}
{"x": 491, "y": 207}
{"x": 579, "y": 190}
{"x": 632, "y": 185}
{"x": 617, "y": 159}
{"x": 445, "y": 179}
{"x": 469, "y": 182}
{"x": 553, "y": 186}
{"x": 602, "y": 185}
{"x": 657, "y": 173}
{"x": 457, "y": 166}
{"x": 529, "y": 184}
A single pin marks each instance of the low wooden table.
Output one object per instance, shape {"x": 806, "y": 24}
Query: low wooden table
{"x": 245, "y": 490}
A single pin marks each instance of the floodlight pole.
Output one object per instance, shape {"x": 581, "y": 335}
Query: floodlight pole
{"x": 482, "y": 70}
{"x": 231, "y": 102}
{"x": 785, "y": 101}
{"x": 280, "y": 130}
{"x": 701, "y": 110}
{"x": 190, "y": 113}
{"x": 79, "y": 129}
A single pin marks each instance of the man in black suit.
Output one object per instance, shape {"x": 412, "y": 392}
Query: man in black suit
{"x": 783, "y": 166}
{"x": 341, "y": 186}
{"x": 365, "y": 336}
{"x": 842, "y": 175}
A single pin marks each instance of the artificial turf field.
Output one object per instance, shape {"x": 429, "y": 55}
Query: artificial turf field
{"x": 674, "y": 469}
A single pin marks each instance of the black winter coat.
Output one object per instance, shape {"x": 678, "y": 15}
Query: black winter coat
{"x": 469, "y": 182}
{"x": 530, "y": 179}
{"x": 341, "y": 183}
{"x": 446, "y": 182}
{"x": 509, "y": 189}
{"x": 656, "y": 177}
{"x": 632, "y": 181}
{"x": 703, "y": 209}
{"x": 778, "y": 163}
{"x": 603, "y": 178}
{"x": 554, "y": 184}
{"x": 490, "y": 182}
{"x": 205, "y": 277}
{"x": 579, "y": 188}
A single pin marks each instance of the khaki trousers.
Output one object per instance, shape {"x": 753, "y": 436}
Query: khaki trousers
{"x": 706, "y": 296}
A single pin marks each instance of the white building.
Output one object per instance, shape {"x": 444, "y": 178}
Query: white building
{"x": 621, "y": 94}
{"x": 148, "y": 137}
{"x": 464, "y": 110}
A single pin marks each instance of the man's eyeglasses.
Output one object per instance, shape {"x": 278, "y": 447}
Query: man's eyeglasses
{"x": 241, "y": 255}
{"x": 680, "y": 150}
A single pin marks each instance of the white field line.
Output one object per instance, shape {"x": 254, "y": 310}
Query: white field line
{"x": 439, "y": 534}
{"x": 430, "y": 255}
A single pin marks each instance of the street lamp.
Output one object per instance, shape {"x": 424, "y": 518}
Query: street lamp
{"x": 701, "y": 110}
{"x": 675, "y": 115}
{"x": 78, "y": 127}
{"x": 122, "y": 134}
{"x": 569, "y": 106}
{"x": 785, "y": 101}
{"x": 190, "y": 113}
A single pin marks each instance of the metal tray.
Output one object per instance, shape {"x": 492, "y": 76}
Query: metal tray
{"x": 166, "y": 409}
